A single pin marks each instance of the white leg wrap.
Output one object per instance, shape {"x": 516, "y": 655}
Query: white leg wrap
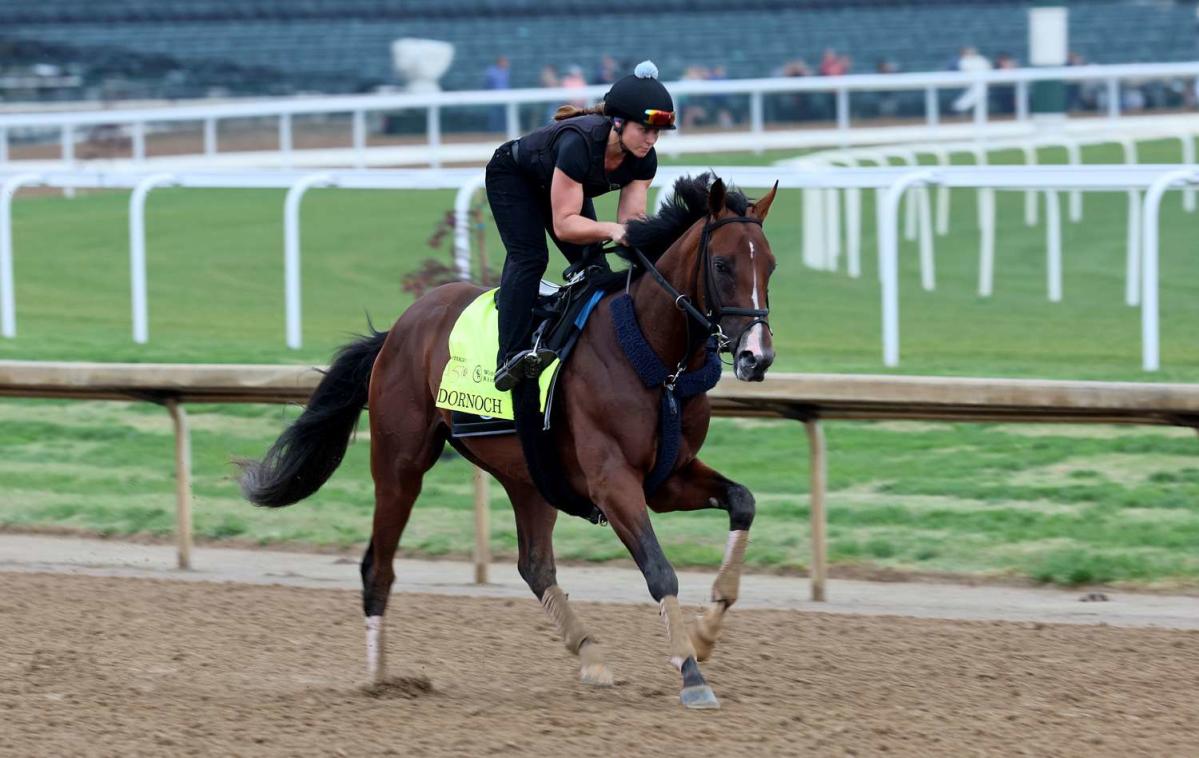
{"x": 556, "y": 605}
{"x": 376, "y": 649}
{"x": 676, "y": 631}
{"x": 707, "y": 627}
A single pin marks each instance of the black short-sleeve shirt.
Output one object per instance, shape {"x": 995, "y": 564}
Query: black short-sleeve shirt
{"x": 571, "y": 155}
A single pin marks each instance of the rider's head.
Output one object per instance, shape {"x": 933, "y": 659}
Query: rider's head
{"x": 640, "y": 108}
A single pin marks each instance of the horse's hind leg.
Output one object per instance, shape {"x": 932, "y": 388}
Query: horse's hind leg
{"x": 695, "y": 487}
{"x": 535, "y": 533}
{"x": 398, "y": 464}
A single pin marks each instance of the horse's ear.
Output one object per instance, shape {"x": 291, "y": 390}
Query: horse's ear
{"x": 762, "y": 207}
{"x": 716, "y": 195}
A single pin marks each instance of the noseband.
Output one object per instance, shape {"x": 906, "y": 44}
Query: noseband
{"x": 709, "y": 320}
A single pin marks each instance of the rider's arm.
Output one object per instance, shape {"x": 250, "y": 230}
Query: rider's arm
{"x": 633, "y": 200}
{"x": 566, "y": 202}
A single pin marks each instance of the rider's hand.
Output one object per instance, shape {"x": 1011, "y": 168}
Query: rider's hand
{"x": 618, "y": 233}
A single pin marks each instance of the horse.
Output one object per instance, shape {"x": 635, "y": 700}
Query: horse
{"x": 710, "y": 266}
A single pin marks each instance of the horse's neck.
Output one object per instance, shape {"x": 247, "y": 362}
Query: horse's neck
{"x": 664, "y": 324}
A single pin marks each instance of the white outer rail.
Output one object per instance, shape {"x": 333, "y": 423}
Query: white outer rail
{"x": 285, "y": 109}
{"x": 891, "y": 181}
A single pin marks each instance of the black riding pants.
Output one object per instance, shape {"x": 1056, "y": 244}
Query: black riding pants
{"x": 521, "y": 209}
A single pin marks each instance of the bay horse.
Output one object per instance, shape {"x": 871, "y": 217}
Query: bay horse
{"x": 713, "y": 265}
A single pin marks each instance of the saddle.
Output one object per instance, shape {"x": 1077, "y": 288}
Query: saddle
{"x": 559, "y": 316}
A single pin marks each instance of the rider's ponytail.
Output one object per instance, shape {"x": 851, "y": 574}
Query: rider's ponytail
{"x": 570, "y": 111}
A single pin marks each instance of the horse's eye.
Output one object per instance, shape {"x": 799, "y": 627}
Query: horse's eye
{"x": 722, "y": 266}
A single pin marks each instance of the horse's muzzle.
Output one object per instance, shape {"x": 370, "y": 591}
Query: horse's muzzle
{"x": 751, "y": 367}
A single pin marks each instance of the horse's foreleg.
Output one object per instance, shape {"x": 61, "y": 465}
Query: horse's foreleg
{"x": 694, "y": 487}
{"x": 621, "y": 499}
{"x": 534, "y": 533}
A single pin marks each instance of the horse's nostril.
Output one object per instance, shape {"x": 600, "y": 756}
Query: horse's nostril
{"x": 748, "y": 358}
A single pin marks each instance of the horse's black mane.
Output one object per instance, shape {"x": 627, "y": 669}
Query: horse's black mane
{"x": 688, "y": 204}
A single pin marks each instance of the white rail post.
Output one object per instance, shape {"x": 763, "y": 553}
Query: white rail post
{"x": 981, "y": 106}
{"x": 853, "y": 228}
{"x": 986, "y": 230}
{"x": 757, "y": 120}
{"x": 433, "y": 127}
{"x": 462, "y": 222}
{"x": 942, "y": 157}
{"x": 1074, "y": 156}
{"x": 3, "y": 145}
{"x": 139, "y": 141}
{"x": 888, "y": 259}
{"x": 359, "y": 138}
{"x": 1188, "y": 157}
{"x": 137, "y": 252}
{"x": 1030, "y": 196}
{"x": 68, "y": 154}
{"x": 183, "y": 484}
{"x": 1150, "y": 251}
{"x": 932, "y": 107}
{"x": 291, "y": 252}
{"x": 843, "y": 109}
{"x": 512, "y": 121}
{"x": 8, "y": 303}
{"x": 1113, "y": 98}
{"x": 1053, "y": 244}
{"x": 832, "y": 227}
{"x": 1132, "y": 258}
{"x": 1021, "y": 100}
{"x": 210, "y": 136}
{"x": 285, "y": 142}
{"x": 928, "y": 263}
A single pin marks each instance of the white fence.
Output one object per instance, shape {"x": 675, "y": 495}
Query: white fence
{"x": 284, "y": 110}
{"x": 891, "y": 183}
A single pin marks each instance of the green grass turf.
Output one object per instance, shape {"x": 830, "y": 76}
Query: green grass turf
{"x": 1064, "y": 504}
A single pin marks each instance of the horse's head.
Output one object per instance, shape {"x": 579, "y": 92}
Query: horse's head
{"x": 734, "y": 264}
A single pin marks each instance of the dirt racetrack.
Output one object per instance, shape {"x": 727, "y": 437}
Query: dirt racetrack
{"x": 106, "y": 666}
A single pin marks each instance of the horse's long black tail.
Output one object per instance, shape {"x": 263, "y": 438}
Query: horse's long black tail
{"x": 307, "y": 454}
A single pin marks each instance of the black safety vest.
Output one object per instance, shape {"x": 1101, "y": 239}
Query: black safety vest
{"x": 535, "y": 153}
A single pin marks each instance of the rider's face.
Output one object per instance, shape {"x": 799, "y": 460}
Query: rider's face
{"x": 639, "y": 139}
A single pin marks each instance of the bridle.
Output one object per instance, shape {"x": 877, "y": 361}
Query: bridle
{"x": 709, "y": 320}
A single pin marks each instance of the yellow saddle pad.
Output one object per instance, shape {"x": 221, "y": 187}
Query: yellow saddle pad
{"x": 467, "y": 384}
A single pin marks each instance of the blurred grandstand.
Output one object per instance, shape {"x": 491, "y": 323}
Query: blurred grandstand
{"x": 165, "y": 49}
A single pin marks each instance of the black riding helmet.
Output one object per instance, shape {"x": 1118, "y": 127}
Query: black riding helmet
{"x": 641, "y": 98}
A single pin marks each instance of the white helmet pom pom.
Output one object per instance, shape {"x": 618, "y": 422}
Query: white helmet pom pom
{"x": 646, "y": 70}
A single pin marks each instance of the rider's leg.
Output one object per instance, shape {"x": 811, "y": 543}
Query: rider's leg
{"x": 514, "y": 206}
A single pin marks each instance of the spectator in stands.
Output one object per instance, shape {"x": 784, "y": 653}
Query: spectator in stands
{"x": 694, "y": 111}
{"x": 574, "y": 79}
{"x": 496, "y": 77}
{"x": 720, "y": 103}
{"x": 608, "y": 71}
{"x": 832, "y": 64}
{"x": 1003, "y": 96}
{"x": 791, "y": 106}
{"x": 1079, "y": 95}
{"x": 550, "y": 80}
{"x": 971, "y": 61}
{"x": 886, "y": 103}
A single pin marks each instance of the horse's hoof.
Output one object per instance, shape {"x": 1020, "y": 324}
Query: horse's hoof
{"x": 596, "y": 675}
{"x": 699, "y": 697}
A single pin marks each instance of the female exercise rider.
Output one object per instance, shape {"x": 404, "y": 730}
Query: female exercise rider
{"x": 544, "y": 182}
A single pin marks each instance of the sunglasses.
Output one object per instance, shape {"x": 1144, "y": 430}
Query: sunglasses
{"x": 654, "y": 117}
